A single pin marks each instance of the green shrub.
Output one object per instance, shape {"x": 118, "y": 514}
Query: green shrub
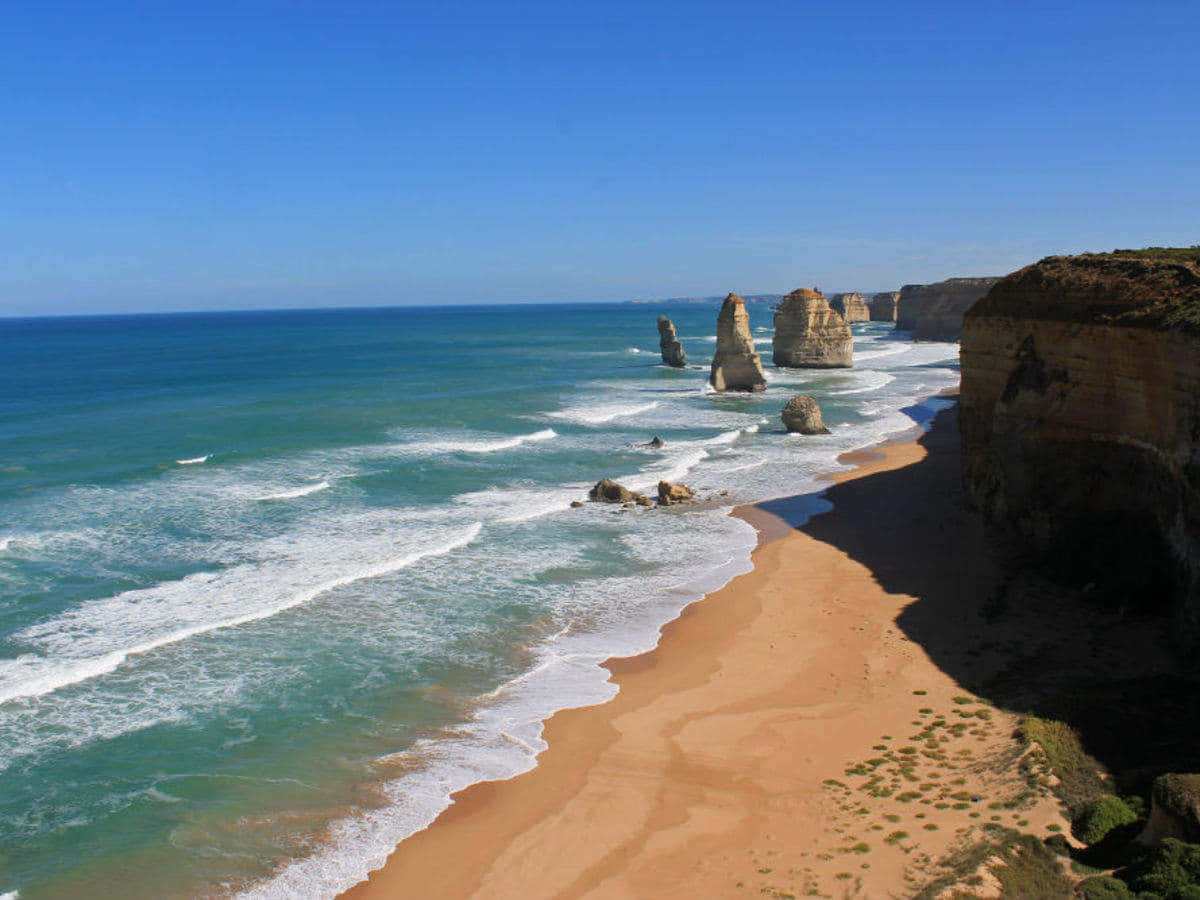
{"x": 1099, "y": 818}
{"x": 1171, "y": 870}
{"x": 1078, "y": 773}
{"x": 1105, "y": 887}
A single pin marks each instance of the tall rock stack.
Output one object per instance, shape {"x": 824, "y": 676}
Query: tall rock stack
{"x": 668, "y": 344}
{"x": 934, "y": 312}
{"x": 851, "y": 307}
{"x": 809, "y": 334}
{"x": 885, "y": 306}
{"x": 1080, "y": 421}
{"x": 735, "y": 365}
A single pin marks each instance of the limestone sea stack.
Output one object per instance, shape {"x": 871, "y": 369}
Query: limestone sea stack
{"x": 1081, "y": 425}
{"x": 668, "y": 343}
{"x": 802, "y": 415}
{"x": 885, "y": 306}
{"x": 934, "y": 312}
{"x": 809, "y": 334}
{"x": 735, "y": 365}
{"x": 851, "y": 307}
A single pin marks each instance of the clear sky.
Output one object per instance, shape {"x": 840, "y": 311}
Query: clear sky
{"x": 247, "y": 154}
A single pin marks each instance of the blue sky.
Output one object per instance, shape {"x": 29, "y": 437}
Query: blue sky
{"x": 250, "y": 155}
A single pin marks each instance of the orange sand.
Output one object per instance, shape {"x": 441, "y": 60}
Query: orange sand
{"x": 705, "y": 776}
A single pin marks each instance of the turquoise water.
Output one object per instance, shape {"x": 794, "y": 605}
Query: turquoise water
{"x": 272, "y": 585}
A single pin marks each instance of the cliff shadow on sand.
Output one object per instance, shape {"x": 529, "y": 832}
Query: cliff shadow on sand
{"x": 1004, "y": 630}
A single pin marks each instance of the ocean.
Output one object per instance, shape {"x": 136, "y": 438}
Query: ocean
{"x": 273, "y": 585}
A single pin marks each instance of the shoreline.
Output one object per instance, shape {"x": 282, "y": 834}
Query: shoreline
{"x": 692, "y": 752}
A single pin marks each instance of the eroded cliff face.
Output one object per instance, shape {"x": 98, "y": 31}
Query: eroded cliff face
{"x": 1080, "y": 420}
{"x": 809, "y": 334}
{"x": 884, "y": 306}
{"x": 934, "y": 312}
{"x": 736, "y": 366}
{"x": 851, "y": 307}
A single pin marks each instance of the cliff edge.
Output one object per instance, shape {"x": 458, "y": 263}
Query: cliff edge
{"x": 1080, "y": 420}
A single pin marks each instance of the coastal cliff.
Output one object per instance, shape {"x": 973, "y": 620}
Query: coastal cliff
{"x": 736, "y": 366}
{"x": 934, "y": 312}
{"x": 884, "y": 306}
{"x": 1080, "y": 419}
{"x": 851, "y": 307}
{"x": 809, "y": 334}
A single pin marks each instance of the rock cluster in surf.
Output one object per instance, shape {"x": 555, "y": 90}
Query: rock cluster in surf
{"x": 809, "y": 334}
{"x": 669, "y": 345}
{"x": 736, "y": 366}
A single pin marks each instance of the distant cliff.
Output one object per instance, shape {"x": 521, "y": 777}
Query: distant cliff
{"x": 883, "y": 306}
{"x": 934, "y": 312}
{"x": 1080, "y": 419}
{"x": 851, "y": 307}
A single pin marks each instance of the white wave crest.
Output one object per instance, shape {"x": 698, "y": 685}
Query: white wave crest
{"x": 600, "y": 413}
{"x": 195, "y": 461}
{"x": 297, "y": 492}
{"x": 493, "y": 446}
{"x": 870, "y": 381}
{"x": 148, "y": 618}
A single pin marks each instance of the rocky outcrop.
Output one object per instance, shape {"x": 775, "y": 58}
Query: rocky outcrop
{"x": 885, "y": 306}
{"x": 802, "y": 415}
{"x": 1080, "y": 420}
{"x": 809, "y": 334}
{"x": 668, "y": 344}
{"x": 934, "y": 312}
{"x": 1174, "y": 810}
{"x": 735, "y": 365}
{"x": 608, "y": 491}
{"x": 851, "y": 307}
{"x": 669, "y": 493}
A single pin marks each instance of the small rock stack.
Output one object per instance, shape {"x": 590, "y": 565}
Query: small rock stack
{"x": 668, "y": 343}
{"x": 735, "y": 365}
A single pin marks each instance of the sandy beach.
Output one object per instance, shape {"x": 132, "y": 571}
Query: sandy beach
{"x": 791, "y": 734}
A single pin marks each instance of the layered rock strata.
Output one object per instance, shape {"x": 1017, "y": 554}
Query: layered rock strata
{"x": 809, "y": 334}
{"x": 1080, "y": 419}
{"x": 851, "y": 307}
{"x": 885, "y": 306}
{"x": 735, "y": 365}
{"x": 669, "y": 345}
{"x": 934, "y": 312}
{"x": 802, "y": 415}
